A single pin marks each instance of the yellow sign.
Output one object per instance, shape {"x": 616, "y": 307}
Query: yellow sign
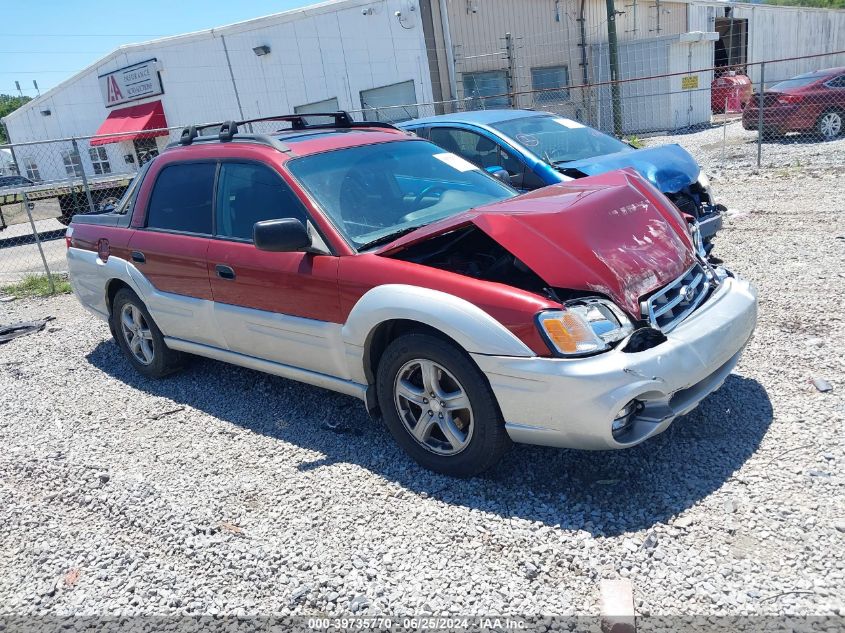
{"x": 689, "y": 83}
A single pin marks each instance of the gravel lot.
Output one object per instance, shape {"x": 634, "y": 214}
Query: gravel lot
{"x": 222, "y": 490}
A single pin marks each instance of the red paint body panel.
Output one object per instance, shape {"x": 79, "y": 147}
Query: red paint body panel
{"x": 513, "y": 308}
{"x": 299, "y": 284}
{"x": 795, "y": 109}
{"x": 613, "y": 234}
{"x": 174, "y": 263}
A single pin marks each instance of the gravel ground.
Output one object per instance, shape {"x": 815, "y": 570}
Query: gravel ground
{"x": 225, "y": 491}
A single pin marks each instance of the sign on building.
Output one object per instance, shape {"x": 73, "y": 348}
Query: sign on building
{"x": 130, "y": 83}
{"x": 690, "y": 82}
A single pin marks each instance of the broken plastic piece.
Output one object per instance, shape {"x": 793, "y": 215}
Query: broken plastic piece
{"x": 9, "y": 332}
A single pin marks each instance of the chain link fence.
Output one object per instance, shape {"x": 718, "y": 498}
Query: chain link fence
{"x": 724, "y": 119}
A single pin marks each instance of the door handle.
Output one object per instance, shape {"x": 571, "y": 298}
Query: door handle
{"x": 225, "y": 272}
{"x": 138, "y": 256}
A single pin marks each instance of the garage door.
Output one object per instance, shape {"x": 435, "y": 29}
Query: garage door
{"x": 391, "y": 103}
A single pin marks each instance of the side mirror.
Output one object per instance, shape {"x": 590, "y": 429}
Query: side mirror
{"x": 281, "y": 236}
{"x": 499, "y": 173}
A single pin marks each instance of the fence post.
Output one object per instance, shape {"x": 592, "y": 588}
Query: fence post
{"x": 724, "y": 131}
{"x": 509, "y": 56}
{"x": 84, "y": 178}
{"x": 25, "y": 204}
{"x": 760, "y": 103}
{"x": 613, "y": 62}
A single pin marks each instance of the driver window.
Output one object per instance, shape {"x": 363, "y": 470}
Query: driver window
{"x": 248, "y": 193}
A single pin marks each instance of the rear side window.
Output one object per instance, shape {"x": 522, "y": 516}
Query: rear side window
{"x": 181, "y": 198}
{"x": 248, "y": 193}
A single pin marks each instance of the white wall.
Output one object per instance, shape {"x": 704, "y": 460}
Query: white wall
{"x": 330, "y": 50}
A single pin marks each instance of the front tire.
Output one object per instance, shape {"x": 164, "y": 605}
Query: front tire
{"x": 439, "y": 407}
{"x": 139, "y": 338}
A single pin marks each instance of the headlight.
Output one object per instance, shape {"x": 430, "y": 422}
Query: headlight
{"x": 584, "y": 326}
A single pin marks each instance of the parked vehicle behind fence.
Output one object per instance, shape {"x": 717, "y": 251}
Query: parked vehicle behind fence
{"x": 812, "y": 103}
{"x": 355, "y": 257}
{"x": 537, "y": 149}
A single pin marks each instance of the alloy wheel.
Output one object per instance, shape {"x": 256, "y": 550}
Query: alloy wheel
{"x": 137, "y": 334}
{"x": 433, "y": 406}
{"x": 830, "y": 125}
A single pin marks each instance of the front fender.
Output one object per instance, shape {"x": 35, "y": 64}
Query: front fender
{"x": 471, "y": 327}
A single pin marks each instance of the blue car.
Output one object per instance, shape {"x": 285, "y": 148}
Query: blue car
{"x": 538, "y": 149}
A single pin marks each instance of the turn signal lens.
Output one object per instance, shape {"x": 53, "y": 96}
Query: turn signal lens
{"x": 584, "y": 326}
{"x": 570, "y": 334}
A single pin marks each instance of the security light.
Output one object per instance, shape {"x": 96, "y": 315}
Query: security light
{"x": 46, "y": 112}
{"x": 261, "y": 50}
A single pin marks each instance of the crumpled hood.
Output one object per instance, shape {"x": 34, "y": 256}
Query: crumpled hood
{"x": 670, "y": 168}
{"x": 611, "y": 234}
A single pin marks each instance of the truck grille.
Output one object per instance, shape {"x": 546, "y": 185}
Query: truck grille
{"x": 673, "y": 303}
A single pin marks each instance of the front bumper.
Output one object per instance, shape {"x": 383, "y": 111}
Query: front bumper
{"x": 571, "y": 403}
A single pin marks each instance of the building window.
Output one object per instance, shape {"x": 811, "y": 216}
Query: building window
{"x": 486, "y": 89}
{"x": 100, "y": 160}
{"x": 327, "y": 105}
{"x": 548, "y": 78}
{"x": 73, "y": 163}
{"x": 392, "y": 103}
{"x": 32, "y": 170}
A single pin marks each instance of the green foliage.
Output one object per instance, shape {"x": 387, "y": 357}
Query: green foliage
{"x": 37, "y": 286}
{"x": 8, "y": 104}
{"x": 821, "y": 4}
{"x": 633, "y": 141}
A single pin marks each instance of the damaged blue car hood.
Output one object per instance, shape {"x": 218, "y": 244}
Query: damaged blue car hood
{"x": 670, "y": 168}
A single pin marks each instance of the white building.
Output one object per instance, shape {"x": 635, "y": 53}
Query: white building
{"x": 342, "y": 54}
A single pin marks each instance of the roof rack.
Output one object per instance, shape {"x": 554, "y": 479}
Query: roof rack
{"x": 228, "y": 130}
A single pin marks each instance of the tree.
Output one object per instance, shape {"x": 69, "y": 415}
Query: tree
{"x": 822, "y": 4}
{"x": 8, "y": 104}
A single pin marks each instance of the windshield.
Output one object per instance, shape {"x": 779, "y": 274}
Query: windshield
{"x": 373, "y": 192}
{"x": 557, "y": 140}
{"x": 797, "y": 82}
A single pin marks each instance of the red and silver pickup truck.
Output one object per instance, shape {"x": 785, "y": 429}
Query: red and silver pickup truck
{"x": 355, "y": 257}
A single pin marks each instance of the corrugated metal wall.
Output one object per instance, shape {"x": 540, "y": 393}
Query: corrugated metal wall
{"x": 775, "y": 32}
{"x": 548, "y": 32}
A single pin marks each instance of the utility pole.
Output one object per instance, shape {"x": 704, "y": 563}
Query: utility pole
{"x": 613, "y": 59}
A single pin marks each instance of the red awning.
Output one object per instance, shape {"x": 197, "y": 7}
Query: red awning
{"x": 131, "y": 123}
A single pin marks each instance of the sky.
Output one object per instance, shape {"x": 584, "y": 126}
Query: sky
{"x": 50, "y": 40}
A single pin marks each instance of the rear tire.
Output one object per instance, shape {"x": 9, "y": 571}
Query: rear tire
{"x": 439, "y": 406}
{"x": 139, "y": 338}
{"x": 830, "y": 124}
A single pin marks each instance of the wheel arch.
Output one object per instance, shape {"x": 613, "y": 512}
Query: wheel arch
{"x": 113, "y": 286}
{"x": 391, "y": 310}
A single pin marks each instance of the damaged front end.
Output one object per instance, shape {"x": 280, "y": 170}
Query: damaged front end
{"x": 672, "y": 170}
{"x": 609, "y": 250}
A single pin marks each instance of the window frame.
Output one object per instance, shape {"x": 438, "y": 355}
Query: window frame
{"x": 213, "y": 161}
{"x": 67, "y": 159}
{"x": 484, "y": 100}
{"x": 551, "y": 91}
{"x": 32, "y": 170}
{"x": 102, "y": 161}
{"x": 248, "y": 161}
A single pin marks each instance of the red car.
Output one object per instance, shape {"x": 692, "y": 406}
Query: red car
{"x": 361, "y": 259}
{"x": 812, "y": 102}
